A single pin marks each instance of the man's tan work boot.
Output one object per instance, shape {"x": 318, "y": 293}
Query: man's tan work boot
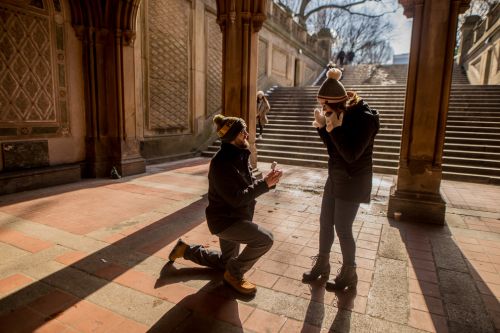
{"x": 240, "y": 285}
{"x": 178, "y": 250}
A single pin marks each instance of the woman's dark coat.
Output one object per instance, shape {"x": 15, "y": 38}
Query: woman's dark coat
{"x": 350, "y": 148}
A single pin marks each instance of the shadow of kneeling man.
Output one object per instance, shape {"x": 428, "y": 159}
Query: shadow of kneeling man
{"x": 214, "y": 308}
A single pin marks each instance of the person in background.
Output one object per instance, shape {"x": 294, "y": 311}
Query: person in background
{"x": 350, "y": 57}
{"x": 347, "y": 126}
{"x": 232, "y": 190}
{"x": 263, "y": 108}
{"x": 340, "y": 58}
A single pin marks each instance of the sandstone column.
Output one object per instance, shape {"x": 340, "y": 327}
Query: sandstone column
{"x": 107, "y": 32}
{"x": 240, "y": 21}
{"x": 417, "y": 191}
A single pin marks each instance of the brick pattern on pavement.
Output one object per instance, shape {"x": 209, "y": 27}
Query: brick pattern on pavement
{"x": 92, "y": 257}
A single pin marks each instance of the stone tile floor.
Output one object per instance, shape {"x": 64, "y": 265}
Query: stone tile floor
{"x": 91, "y": 257}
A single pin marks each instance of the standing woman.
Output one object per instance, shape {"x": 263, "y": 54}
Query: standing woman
{"x": 347, "y": 127}
{"x": 263, "y": 108}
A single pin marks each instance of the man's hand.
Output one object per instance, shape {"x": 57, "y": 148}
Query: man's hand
{"x": 319, "y": 118}
{"x": 273, "y": 177}
{"x": 334, "y": 120}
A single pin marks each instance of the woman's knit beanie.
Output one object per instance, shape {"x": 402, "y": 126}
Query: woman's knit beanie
{"x": 228, "y": 128}
{"x": 332, "y": 91}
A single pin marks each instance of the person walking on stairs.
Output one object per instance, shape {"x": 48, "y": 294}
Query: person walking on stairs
{"x": 340, "y": 58}
{"x": 232, "y": 190}
{"x": 263, "y": 108}
{"x": 347, "y": 126}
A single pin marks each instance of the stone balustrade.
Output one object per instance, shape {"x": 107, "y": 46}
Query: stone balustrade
{"x": 480, "y": 41}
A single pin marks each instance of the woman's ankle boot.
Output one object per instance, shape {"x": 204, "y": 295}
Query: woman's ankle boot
{"x": 320, "y": 268}
{"x": 347, "y": 277}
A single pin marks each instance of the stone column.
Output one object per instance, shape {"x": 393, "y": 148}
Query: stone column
{"x": 240, "y": 21}
{"x": 109, "y": 82}
{"x": 417, "y": 191}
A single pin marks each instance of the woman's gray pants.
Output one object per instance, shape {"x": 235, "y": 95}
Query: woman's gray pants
{"x": 257, "y": 239}
{"x": 337, "y": 214}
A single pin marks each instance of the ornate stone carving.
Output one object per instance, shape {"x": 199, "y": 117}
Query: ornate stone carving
{"x": 214, "y": 65}
{"x": 168, "y": 74}
{"x": 29, "y": 59}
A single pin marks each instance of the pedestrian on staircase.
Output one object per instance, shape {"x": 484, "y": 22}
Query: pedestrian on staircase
{"x": 340, "y": 58}
{"x": 263, "y": 108}
{"x": 232, "y": 190}
{"x": 349, "y": 57}
{"x": 347, "y": 126}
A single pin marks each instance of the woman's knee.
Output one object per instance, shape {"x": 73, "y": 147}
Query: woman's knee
{"x": 267, "y": 238}
{"x": 344, "y": 233}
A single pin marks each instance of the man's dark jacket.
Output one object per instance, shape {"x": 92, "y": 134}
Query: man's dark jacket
{"x": 350, "y": 148}
{"x": 232, "y": 188}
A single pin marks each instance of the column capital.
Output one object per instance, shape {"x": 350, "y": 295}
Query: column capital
{"x": 117, "y": 16}
{"x": 409, "y": 6}
{"x": 233, "y": 11}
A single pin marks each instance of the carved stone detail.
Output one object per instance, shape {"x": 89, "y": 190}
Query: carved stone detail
{"x": 168, "y": 75}
{"x": 29, "y": 60}
{"x": 214, "y": 65}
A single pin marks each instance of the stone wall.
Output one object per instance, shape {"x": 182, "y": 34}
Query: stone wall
{"x": 288, "y": 56}
{"x": 180, "y": 48}
{"x": 177, "y": 68}
{"x": 42, "y": 120}
{"x": 479, "y": 53}
{"x": 179, "y": 45}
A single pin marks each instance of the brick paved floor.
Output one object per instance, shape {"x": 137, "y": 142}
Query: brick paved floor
{"x": 91, "y": 257}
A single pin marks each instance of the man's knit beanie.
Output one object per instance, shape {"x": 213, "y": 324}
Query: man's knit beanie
{"x": 228, "y": 128}
{"x": 332, "y": 91}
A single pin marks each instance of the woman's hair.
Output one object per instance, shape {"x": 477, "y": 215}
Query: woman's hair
{"x": 353, "y": 99}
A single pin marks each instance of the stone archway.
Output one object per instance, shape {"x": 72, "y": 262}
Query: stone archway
{"x": 107, "y": 31}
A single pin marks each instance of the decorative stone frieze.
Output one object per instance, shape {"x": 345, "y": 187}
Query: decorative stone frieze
{"x": 33, "y": 85}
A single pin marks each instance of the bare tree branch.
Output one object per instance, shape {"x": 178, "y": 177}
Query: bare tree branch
{"x": 345, "y": 8}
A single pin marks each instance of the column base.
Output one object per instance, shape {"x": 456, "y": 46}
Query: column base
{"x": 132, "y": 166}
{"x": 125, "y": 167}
{"x": 417, "y": 207}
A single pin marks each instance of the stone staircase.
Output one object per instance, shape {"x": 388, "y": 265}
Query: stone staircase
{"x": 472, "y": 143}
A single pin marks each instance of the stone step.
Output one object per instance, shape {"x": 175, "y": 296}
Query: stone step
{"x": 489, "y": 157}
{"x": 452, "y": 115}
{"x": 392, "y": 127}
{"x": 387, "y": 95}
{"x": 485, "y": 139}
{"x": 471, "y": 145}
{"x": 450, "y": 171}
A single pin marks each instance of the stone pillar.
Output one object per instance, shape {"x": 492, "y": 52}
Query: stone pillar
{"x": 109, "y": 81}
{"x": 325, "y": 41}
{"x": 417, "y": 191}
{"x": 240, "y": 22}
{"x": 467, "y": 37}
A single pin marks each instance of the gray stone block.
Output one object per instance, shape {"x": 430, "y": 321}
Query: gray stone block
{"x": 388, "y": 298}
{"x": 391, "y": 244}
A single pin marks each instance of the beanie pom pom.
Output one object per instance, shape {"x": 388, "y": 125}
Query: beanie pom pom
{"x": 219, "y": 120}
{"x": 334, "y": 73}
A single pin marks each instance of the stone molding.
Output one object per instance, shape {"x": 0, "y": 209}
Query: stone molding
{"x": 409, "y": 6}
